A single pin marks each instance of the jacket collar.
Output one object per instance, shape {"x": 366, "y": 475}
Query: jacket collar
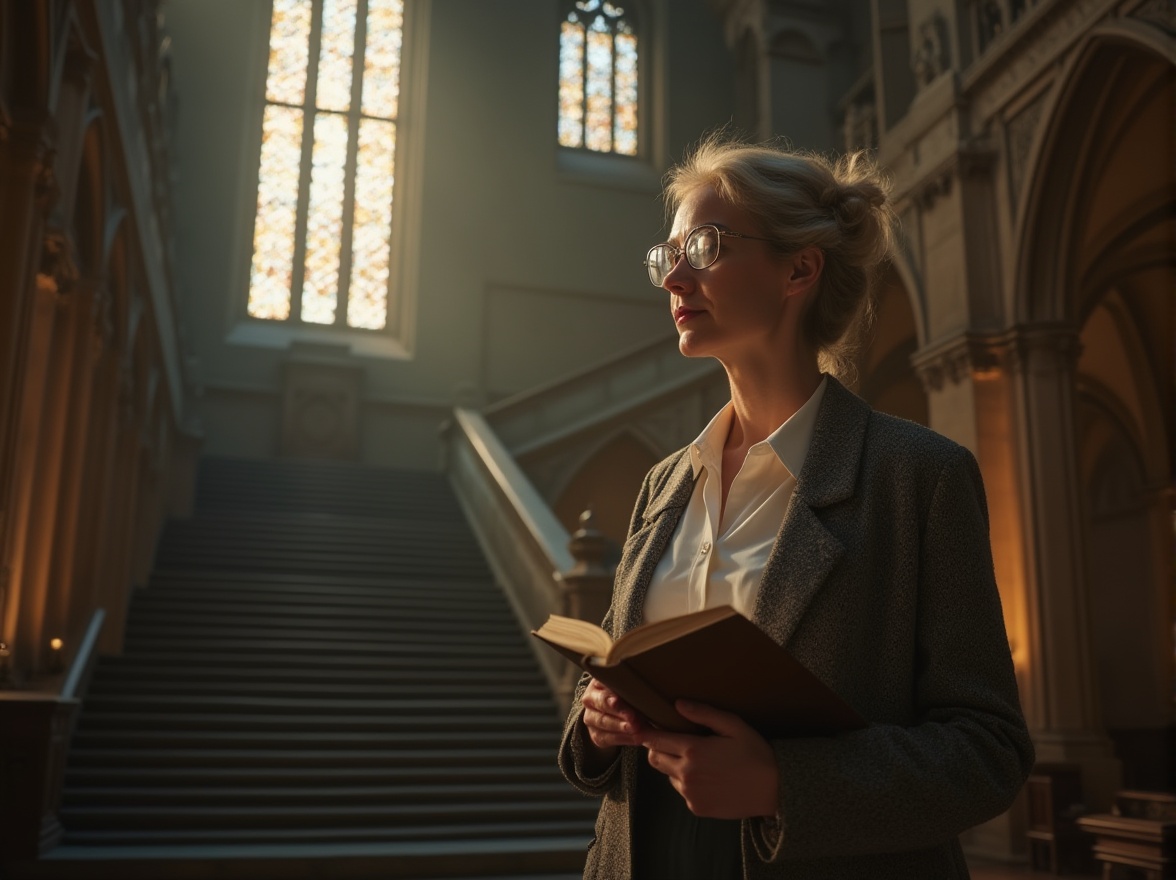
{"x": 830, "y": 471}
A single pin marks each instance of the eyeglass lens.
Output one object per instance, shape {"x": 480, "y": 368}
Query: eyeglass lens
{"x": 701, "y": 249}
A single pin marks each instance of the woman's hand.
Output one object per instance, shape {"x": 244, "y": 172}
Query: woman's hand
{"x": 731, "y": 775}
{"x": 610, "y": 721}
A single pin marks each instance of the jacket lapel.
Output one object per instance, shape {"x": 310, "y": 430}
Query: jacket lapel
{"x": 805, "y": 551}
{"x": 647, "y": 545}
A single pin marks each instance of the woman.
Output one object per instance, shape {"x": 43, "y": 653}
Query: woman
{"x": 857, "y": 540}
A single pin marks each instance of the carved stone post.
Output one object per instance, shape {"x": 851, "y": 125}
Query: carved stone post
{"x": 1064, "y": 705}
{"x": 586, "y": 588}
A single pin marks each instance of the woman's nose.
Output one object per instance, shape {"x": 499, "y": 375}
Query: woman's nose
{"x": 679, "y": 276}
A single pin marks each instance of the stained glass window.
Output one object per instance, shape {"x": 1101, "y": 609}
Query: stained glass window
{"x": 598, "y": 72}
{"x": 323, "y": 229}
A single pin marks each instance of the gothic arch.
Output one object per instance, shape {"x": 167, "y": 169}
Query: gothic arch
{"x": 886, "y": 378}
{"x": 902, "y": 269}
{"x": 608, "y": 477}
{"x": 117, "y": 278}
{"x": 88, "y": 214}
{"x": 1072, "y": 143}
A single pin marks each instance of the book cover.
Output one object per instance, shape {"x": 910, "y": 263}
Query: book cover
{"x": 717, "y": 657}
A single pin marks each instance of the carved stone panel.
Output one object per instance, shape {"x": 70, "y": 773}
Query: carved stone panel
{"x": 320, "y": 410}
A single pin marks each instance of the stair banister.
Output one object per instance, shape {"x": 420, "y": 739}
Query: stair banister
{"x": 526, "y": 545}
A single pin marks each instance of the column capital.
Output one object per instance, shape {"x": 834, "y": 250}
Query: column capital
{"x": 57, "y": 268}
{"x": 981, "y": 355}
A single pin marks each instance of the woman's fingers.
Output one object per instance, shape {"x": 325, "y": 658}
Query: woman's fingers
{"x": 609, "y": 719}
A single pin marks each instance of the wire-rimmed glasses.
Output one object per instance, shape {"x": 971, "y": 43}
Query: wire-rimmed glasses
{"x": 701, "y": 249}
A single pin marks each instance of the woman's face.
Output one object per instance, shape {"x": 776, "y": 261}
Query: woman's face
{"x": 739, "y": 306}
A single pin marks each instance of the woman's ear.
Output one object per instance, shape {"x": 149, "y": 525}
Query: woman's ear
{"x": 806, "y": 268}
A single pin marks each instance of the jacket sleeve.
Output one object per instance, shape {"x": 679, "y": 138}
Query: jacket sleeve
{"x": 889, "y": 787}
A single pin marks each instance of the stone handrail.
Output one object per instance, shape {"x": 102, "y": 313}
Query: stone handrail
{"x": 608, "y": 390}
{"x": 541, "y": 568}
{"x": 526, "y": 545}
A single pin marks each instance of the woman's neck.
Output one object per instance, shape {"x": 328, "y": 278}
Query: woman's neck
{"x": 765, "y": 395}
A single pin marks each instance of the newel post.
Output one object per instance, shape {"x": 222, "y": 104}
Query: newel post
{"x": 585, "y": 588}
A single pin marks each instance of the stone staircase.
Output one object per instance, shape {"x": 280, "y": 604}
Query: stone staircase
{"x": 320, "y": 680}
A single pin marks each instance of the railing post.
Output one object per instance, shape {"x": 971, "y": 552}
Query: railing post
{"x": 585, "y": 588}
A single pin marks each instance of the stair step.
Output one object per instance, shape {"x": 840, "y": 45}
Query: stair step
{"x": 121, "y": 738}
{"x": 474, "y": 708}
{"x": 327, "y": 797}
{"x": 458, "y": 757}
{"x": 131, "y": 775}
{"x": 574, "y": 828}
{"x": 279, "y": 725}
{"x": 533, "y": 690}
{"x": 262, "y": 663}
{"x": 237, "y": 817}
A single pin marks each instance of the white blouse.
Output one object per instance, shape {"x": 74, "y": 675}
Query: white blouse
{"x": 711, "y": 562}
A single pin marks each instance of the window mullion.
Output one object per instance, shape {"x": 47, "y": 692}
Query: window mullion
{"x": 612, "y": 105}
{"x": 584, "y": 99}
{"x": 298, "y": 270}
{"x": 345, "y": 256}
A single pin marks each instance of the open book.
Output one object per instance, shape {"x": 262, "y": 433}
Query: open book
{"x": 715, "y": 656}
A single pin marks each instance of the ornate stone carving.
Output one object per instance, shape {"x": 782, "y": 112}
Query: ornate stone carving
{"x": 942, "y": 364}
{"x": 933, "y": 188}
{"x": 1021, "y": 131}
{"x": 931, "y": 56}
{"x": 860, "y": 127}
{"x": 1040, "y": 45}
{"x": 1161, "y": 13}
{"x": 57, "y": 262}
{"x": 984, "y": 355}
{"x": 320, "y": 409}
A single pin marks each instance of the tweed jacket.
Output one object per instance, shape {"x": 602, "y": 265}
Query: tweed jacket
{"x": 881, "y": 583}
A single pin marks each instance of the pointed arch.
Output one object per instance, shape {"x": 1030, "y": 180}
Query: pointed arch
{"x": 1048, "y": 218}
{"x": 88, "y": 215}
{"x": 886, "y": 378}
{"x": 607, "y": 477}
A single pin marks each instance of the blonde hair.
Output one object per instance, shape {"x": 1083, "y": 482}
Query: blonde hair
{"x": 803, "y": 199}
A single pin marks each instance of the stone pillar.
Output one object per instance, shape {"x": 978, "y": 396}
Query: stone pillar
{"x": 586, "y": 589}
{"x": 1062, "y": 700}
{"x": 970, "y": 399}
{"x": 26, "y": 189}
{"x": 118, "y": 537}
{"x": 69, "y": 608}
{"x": 46, "y": 604}
{"x": 98, "y": 481}
{"x": 24, "y": 628}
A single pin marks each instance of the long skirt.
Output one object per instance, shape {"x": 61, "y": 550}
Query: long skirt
{"x": 671, "y": 843}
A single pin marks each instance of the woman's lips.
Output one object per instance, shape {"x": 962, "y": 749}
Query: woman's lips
{"x": 683, "y": 314}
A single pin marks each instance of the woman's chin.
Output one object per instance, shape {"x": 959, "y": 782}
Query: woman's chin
{"x": 691, "y": 346}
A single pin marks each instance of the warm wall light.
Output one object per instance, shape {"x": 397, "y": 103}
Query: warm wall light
{"x": 55, "y": 664}
{"x": 5, "y": 666}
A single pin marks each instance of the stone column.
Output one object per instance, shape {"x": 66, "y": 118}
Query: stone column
{"x": 118, "y": 537}
{"x": 26, "y": 189}
{"x": 67, "y": 609}
{"x": 970, "y": 399}
{"x": 100, "y": 488}
{"x": 1062, "y": 698}
{"x": 24, "y": 604}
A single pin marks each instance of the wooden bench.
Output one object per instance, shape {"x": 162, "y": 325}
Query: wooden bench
{"x": 1137, "y": 839}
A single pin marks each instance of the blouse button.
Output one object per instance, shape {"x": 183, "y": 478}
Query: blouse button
{"x": 705, "y": 547}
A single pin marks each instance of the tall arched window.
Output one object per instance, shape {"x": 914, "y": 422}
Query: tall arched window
{"x": 323, "y": 226}
{"x": 598, "y": 88}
